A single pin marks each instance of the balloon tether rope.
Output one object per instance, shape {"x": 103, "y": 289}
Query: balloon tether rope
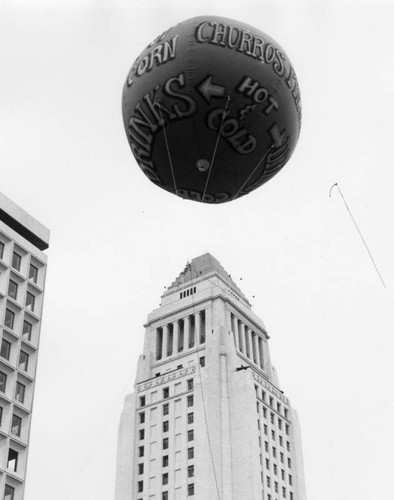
{"x": 254, "y": 170}
{"x": 214, "y": 151}
{"x": 359, "y": 232}
{"x": 168, "y": 150}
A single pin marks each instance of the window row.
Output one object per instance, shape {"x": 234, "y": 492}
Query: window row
{"x": 181, "y": 335}
{"x": 164, "y": 495}
{"x": 186, "y": 293}
{"x": 16, "y": 262}
{"x": 13, "y": 288}
{"x": 5, "y": 351}
{"x": 19, "y": 390}
{"x": 270, "y": 400}
{"x": 166, "y": 461}
{"x": 165, "y": 393}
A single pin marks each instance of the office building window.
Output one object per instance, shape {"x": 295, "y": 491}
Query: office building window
{"x": 166, "y": 392}
{"x": 190, "y": 471}
{"x": 164, "y": 495}
{"x": 13, "y": 289}
{"x": 267, "y": 463}
{"x": 9, "y": 318}
{"x": 190, "y": 401}
{"x": 289, "y": 463}
{"x": 9, "y": 492}
{"x": 268, "y": 482}
{"x": 272, "y": 418}
{"x": 165, "y": 443}
{"x": 12, "y": 460}
{"x": 3, "y": 381}
{"x": 282, "y": 473}
{"x": 166, "y": 426}
{"x": 190, "y": 418}
{"x": 166, "y": 408}
{"x": 190, "y": 435}
{"x": 23, "y": 361}
{"x": 276, "y": 487}
{"x": 290, "y": 479}
{"x": 202, "y": 361}
{"x": 165, "y": 478}
{"x": 275, "y": 470}
{"x": 274, "y": 451}
{"x": 266, "y": 445}
{"x": 265, "y": 412}
{"x": 281, "y": 457}
{"x": 16, "y": 425}
{"x": 165, "y": 461}
{"x": 16, "y": 261}
{"x": 291, "y": 495}
{"x": 265, "y": 429}
{"x": 5, "y": 349}
{"x": 142, "y": 417}
{"x": 283, "y": 492}
{"x": 273, "y": 434}
{"x": 141, "y": 451}
{"x": 140, "y": 469}
{"x": 287, "y": 446}
{"x": 142, "y": 401}
{"x": 140, "y": 487}
{"x": 190, "y": 490}
{"x": 26, "y": 331}
{"x": 20, "y": 392}
{"x": 30, "y": 300}
{"x": 33, "y": 273}
{"x": 287, "y": 429}
{"x": 190, "y": 453}
{"x": 142, "y": 434}
{"x": 280, "y": 423}
{"x": 1, "y": 249}
{"x": 190, "y": 384}
{"x": 280, "y": 440}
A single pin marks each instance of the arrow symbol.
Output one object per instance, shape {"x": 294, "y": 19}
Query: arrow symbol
{"x": 277, "y": 135}
{"x": 209, "y": 89}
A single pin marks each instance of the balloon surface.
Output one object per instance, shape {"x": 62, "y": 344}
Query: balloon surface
{"x": 212, "y": 109}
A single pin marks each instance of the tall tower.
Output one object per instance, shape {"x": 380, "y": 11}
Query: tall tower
{"x": 22, "y": 279}
{"x": 207, "y": 419}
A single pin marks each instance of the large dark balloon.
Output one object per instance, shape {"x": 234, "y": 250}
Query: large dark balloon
{"x": 212, "y": 109}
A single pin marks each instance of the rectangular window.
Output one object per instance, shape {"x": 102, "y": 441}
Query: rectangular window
{"x": 142, "y": 434}
{"x": 13, "y": 289}
{"x": 268, "y": 481}
{"x": 190, "y": 384}
{"x": 9, "y": 492}
{"x": 1, "y": 249}
{"x": 142, "y": 401}
{"x": 282, "y": 473}
{"x": 5, "y": 349}
{"x": 23, "y": 361}
{"x": 271, "y": 401}
{"x": 166, "y": 426}
{"x": 165, "y": 461}
{"x": 33, "y": 273}
{"x": 142, "y": 417}
{"x": 280, "y": 440}
{"x": 280, "y": 423}
{"x": 273, "y": 434}
{"x": 266, "y": 445}
{"x": 190, "y": 401}
{"x": 275, "y": 470}
{"x": 190, "y": 490}
{"x": 12, "y": 460}
{"x": 165, "y": 443}
{"x": 287, "y": 429}
{"x": 166, "y": 392}
{"x": 287, "y": 445}
{"x": 140, "y": 486}
{"x": 190, "y": 418}
{"x": 16, "y": 261}
{"x": 265, "y": 429}
{"x": 27, "y": 328}
{"x": 141, "y": 451}
{"x": 20, "y": 392}
{"x": 164, "y": 495}
{"x": 30, "y": 300}
{"x": 165, "y": 478}
{"x": 283, "y": 492}
{"x": 272, "y": 418}
{"x": 281, "y": 457}
{"x": 190, "y": 471}
{"x": 190, "y": 453}
{"x": 276, "y": 487}
{"x": 9, "y": 319}
{"x": 16, "y": 425}
{"x": 3, "y": 381}
{"x": 267, "y": 463}
{"x": 264, "y": 412}
{"x": 274, "y": 451}
{"x": 289, "y": 463}
{"x": 190, "y": 435}
{"x": 165, "y": 409}
{"x": 202, "y": 361}
{"x": 140, "y": 469}
{"x": 290, "y": 479}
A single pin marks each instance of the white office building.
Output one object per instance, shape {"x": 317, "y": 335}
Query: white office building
{"x": 22, "y": 279}
{"x": 207, "y": 419}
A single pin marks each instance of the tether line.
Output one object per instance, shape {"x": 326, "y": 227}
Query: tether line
{"x": 254, "y": 170}
{"x": 168, "y": 150}
{"x": 359, "y": 232}
{"x": 214, "y": 151}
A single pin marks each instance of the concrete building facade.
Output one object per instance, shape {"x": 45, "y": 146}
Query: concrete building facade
{"x": 22, "y": 278}
{"x": 207, "y": 419}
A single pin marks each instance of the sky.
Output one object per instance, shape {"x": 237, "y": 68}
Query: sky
{"x": 117, "y": 240}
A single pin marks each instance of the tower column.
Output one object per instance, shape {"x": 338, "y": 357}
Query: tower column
{"x": 234, "y": 328}
{"x": 255, "y": 349}
{"x": 176, "y": 336}
{"x": 242, "y": 338}
{"x": 165, "y": 342}
{"x": 186, "y": 332}
{"x": 248, "y": 342}
{"x": 197, "y": 328}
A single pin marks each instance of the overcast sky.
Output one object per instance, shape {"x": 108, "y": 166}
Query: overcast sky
{"x": 117, "y": 239}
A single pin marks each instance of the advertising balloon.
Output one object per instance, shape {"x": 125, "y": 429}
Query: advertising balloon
{"x": 212, "y": 109}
